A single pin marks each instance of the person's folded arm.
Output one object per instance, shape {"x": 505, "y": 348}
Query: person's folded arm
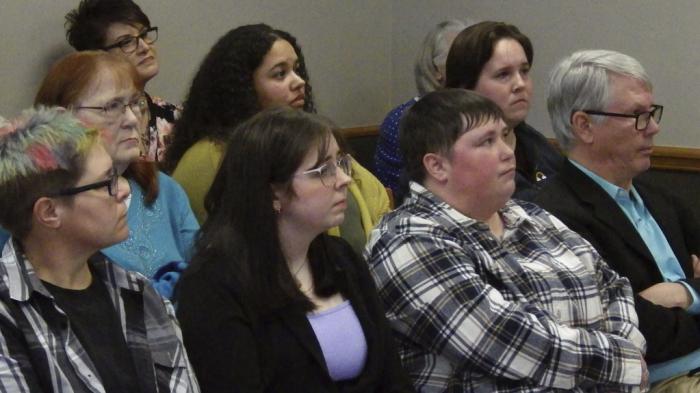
{"x": 616, "y": 292}
{"x": 453, "y": 312}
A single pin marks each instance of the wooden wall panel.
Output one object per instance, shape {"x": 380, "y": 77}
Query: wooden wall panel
{"x": 664, "y": 157}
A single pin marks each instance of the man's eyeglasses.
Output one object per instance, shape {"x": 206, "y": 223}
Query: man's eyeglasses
{"x": 327, "y": 172}
{"x": 131, "y": 43}
{"x": 112, "y": 185}
{"x": 114, "y": 109}
{"x": 641, "y": 119}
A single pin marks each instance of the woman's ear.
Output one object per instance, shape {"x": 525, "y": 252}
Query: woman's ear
{"x": 48, "y": 212}
{"x": 278, "y": 194}
{"x": 436, "y": 166}
{"x": 277, "y": 206}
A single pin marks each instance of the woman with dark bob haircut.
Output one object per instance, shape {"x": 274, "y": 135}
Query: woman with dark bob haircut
{"x": 249, "y": 69}
{"x": 272, "y": 303}
{"x": 120, "y": 27}
{"x": 494, "y": 59}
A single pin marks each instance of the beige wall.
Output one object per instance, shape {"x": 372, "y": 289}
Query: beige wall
{"x": 662, "y": 35}
{"x": 346, "y": 44}
{"x": 360, "y": 52}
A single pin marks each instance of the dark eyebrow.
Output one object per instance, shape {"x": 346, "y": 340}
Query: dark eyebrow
{"x": 321, "y": 161}
{"x": 124, "y": 36}
{"x": 280, "y": 64}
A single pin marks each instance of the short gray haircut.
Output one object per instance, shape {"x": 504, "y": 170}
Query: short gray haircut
{"x": 436, "y": 45}
{"x": 581, "y": 81}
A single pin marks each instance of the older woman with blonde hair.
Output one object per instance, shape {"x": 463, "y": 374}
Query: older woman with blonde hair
{"x": 429, "y": 73}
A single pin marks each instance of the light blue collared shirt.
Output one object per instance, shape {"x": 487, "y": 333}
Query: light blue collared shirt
{"x": 632, "y": 204}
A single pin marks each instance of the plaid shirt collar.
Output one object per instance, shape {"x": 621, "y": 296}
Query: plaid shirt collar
{"x": 512, "y": 214}
{"x": 22, "y": 280}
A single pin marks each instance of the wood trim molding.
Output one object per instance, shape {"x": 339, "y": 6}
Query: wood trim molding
{"x": 686, "y": 159}
{"x": 356, "y": 132}
{"x": 676, "y": 158}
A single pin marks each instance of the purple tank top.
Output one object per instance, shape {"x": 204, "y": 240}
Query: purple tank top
{"x": 342, "y": 340}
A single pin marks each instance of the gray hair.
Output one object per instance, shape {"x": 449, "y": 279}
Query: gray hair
{"x": 436, "y": 46}
{"x": 581, "y": 81}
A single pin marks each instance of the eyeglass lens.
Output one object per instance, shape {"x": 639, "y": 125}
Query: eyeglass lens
{"x": 644, "y": 118}
{"x": 148, "y": 36}
{"x": 329, "y": 175}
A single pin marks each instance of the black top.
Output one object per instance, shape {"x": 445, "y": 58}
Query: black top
{"x": 233, "y": 349}
{"x": 93, "y": 319}
{"x": 535, "y": 160}
{"x": 586, "y": 208}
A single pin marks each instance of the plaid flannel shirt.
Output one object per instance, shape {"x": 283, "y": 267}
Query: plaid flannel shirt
{"x": 40, "y": 352}
{"x": 537, "y": 310}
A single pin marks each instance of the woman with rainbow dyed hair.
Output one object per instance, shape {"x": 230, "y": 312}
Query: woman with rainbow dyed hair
{"x": 102, "y": 90}
{"x": 56, "y": 288}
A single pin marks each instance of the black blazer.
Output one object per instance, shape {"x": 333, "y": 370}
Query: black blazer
{"x": 233, "y": 352}
{"x": 586, "y": 208}
{"x": 535, "y": 159}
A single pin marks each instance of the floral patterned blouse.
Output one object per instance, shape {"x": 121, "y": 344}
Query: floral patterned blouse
{"x": 160, "y": 126}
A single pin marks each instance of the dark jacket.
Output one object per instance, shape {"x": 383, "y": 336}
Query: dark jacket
{"x": 586, "y": 208}
{"x": 535, "y": 159}
{"x": 233, "y": 351}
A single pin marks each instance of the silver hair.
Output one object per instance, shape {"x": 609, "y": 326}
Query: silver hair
{"x": 582, "y": 81}
{"x": 436, "y": 45}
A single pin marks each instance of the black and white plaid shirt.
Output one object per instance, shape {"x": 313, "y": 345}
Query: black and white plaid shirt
{"x": 537, "y": 310}
{"x": 40, "y": 352}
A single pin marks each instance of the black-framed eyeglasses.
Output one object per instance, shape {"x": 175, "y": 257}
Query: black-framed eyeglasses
{"x": 641, "y": 119}
{"x": 112, "y": 185}
{"x": 114, "y": 109}
{"x": 131, "y": 43}
{"x": 327, "y": 172}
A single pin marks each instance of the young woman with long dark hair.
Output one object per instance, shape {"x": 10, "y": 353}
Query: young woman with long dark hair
{"x": 271, "y": 302}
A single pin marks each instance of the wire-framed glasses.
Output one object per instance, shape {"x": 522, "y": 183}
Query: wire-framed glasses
{"x": 641, "y": 121}
{"x": 327, "y": 172}
{"x": 115, "y": 108}
{"x": 131, "y": 43}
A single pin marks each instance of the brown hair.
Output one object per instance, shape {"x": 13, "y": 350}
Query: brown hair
{"x": 473, "y": 48}
{"x": 87, "y": 24}
{"x": 71, "y": 77}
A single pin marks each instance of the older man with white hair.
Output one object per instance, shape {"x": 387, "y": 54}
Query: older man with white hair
{"x": 603, "y": 112}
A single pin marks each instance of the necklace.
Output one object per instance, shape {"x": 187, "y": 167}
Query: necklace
{"x": 306, "y": 290}
{"x": 301, "y": 266}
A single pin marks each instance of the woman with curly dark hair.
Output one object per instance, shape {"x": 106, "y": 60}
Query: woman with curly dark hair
{"x": 251, "y": 68}
{"x": 224, "y": 94}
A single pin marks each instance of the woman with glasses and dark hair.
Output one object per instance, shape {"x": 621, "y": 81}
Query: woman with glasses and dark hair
{"x": 103, "y": 91}
{"x": 251, "y": 68}
{"x": 271, "y": 302}
{"x": 494, "y": 59}
{"x": 120, "y": 27}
